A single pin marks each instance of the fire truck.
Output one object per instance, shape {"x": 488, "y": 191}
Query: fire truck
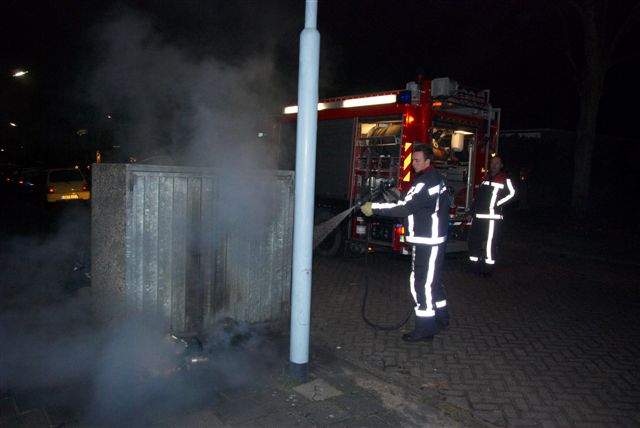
{"x": 364, "y": 149}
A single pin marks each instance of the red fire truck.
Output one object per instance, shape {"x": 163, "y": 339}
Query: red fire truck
{"x": 364, "y": 148}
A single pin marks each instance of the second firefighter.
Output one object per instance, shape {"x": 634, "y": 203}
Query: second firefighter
{"x": 493, "y": 194}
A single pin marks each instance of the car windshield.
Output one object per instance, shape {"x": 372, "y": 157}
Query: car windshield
{"x": 65, "y": 175}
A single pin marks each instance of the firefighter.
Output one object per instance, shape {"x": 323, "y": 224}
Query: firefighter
{"x": 496, "y": 189}
{"x": 426, "y": 206}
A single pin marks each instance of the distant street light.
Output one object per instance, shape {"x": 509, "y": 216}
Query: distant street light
{"x": 20, "y": 73}
{"x": 13, "y": 124}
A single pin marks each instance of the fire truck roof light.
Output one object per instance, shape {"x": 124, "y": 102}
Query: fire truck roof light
{"x": 404, "y": 97}
{"x": 369, "y": 101}
{"x": 353, "y": 102}
{"x": 294, "y": 109}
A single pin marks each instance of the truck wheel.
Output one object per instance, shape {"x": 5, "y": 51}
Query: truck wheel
{"x": 330, "y": 247}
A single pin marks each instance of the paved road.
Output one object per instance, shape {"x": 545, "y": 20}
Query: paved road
{"x": 552, "y": 339}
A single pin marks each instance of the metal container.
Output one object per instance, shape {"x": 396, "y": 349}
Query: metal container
{"x": 191, "y": 245}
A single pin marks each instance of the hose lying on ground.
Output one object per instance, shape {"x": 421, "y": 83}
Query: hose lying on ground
{"x": 366, "y": 293}
{"x": 320, "y": 232}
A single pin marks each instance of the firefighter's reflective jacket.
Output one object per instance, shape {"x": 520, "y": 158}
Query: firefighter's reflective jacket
{"x": 426, "y": 207}
{"x": 493, "y": 194}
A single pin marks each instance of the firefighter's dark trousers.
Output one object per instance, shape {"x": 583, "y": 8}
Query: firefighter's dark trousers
{"x": 426, "y": 278}
{"x": 483, "y": 240}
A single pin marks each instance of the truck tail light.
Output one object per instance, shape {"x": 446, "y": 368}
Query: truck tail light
{"x": 399, "y": 241}
{"x": 400, "y": 232}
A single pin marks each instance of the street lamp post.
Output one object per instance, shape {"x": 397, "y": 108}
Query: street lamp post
{"x": 304, "y": 193}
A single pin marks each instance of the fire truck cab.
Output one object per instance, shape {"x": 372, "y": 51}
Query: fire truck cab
{"x": 364, "y": 149}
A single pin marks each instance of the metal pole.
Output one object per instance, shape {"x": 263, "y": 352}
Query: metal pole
{"x": 304, "y": 193}
{"x": 471, "y": 173}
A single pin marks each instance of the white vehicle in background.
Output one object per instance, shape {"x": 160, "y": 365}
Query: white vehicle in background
{"x": 66, "y": 184}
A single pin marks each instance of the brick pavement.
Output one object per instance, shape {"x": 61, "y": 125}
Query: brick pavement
{"x": 550, "y": 340}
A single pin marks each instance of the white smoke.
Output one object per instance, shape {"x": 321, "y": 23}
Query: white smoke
{"x": 196, "y": 109}
{"x": 164, "y": 102}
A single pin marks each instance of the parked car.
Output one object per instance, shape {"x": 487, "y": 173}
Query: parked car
{"x": 66, "y": 184}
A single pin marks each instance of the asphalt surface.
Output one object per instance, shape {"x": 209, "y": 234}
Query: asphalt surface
{"x": 550, "y": 339}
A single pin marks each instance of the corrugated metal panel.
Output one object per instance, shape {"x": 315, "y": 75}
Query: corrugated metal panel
{"x": 198, "y": 244}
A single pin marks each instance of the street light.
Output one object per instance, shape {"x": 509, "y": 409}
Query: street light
{"x": 20, "y": 73}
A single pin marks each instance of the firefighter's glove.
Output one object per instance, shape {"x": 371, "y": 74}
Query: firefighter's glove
{"x": 366, "y": 209}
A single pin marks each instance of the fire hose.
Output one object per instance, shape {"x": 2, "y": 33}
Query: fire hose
{"x": 322, "y": 230}
{"x": 363, "y": 311}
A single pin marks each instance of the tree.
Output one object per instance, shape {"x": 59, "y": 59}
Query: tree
{"x": 602, "y": 49}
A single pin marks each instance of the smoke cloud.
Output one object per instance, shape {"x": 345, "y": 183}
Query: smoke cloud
{"x": 168, "y": 101}
{"x": 128, "y": 373}
{"x": 44, "y": 329}
{"x": 167, "y": 104}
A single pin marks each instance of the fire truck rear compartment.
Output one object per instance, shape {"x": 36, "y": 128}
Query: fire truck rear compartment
{"x": 365, "y": 145}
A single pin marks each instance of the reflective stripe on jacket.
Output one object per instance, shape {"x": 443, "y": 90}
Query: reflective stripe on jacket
{"x": 426, "y": 207}
{"x": 493, "y": 193}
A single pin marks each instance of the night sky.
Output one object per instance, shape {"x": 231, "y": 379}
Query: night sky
{"x": 514, "y": 48}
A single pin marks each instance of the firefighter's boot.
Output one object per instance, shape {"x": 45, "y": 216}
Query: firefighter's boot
{"x": 424, "y": 330}
{"x": 442, "y": 317}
